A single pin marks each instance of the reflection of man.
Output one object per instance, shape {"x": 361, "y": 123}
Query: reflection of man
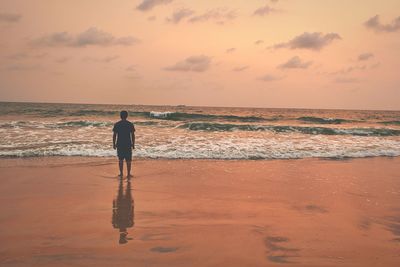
{"x": 124, "y": 141}
{"x": 123, "y": 208}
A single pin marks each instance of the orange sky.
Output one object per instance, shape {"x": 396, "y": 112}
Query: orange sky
{"x": 258, "y": 53}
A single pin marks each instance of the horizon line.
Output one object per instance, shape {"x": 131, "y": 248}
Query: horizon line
{"x": 196, "y": 106}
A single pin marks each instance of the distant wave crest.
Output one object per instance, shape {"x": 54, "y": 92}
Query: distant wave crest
{"x": 323, "y": 120}
{"x": 181, "y": 116}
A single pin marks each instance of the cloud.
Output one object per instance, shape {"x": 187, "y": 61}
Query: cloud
{"x": 131, "y": 68}
{"x": 365, "y": 56}
{"x": 90, "y": 37}
{"x": 107, "y": 59}
{"x": 147, "y": 5}
{"x": 22, "y": 67}
{"x": 152, "y": 18}
{"x": 270, "y": 78}
{"x": 180, "y": 14}
{"x": 262, "y": 11}
{"x": 239, "y": 69}
{"x": 313, "y": 41}
{"x": 295, "y": 63}
{"x": 219, "y": 15}
{"x": 350, "y": 69}
{"x": 194, "y": 63}
{"x": 22, "y": 56}
{"x": 258, "y": 42}
{"x": 132, "y": 73}
{"x": 375, "y": 24}
{"x": 62, "y": 60}
{"x": 230, "y": 50}
{"x": 10, "y": 17}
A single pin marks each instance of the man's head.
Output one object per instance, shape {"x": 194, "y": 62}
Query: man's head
{"x": 123, "y": 114}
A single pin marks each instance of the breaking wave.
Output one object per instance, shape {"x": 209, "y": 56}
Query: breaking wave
{"x": 390, "y": 122}
{"x": 323, "y": 120}
{"x": 181, "y": 116}
{"x": 202, "y": 126}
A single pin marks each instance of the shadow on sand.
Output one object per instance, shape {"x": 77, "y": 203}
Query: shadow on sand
{"x": 123, "y": 211}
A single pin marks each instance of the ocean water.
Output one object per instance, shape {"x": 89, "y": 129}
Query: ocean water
{"x": 180, "y": 132}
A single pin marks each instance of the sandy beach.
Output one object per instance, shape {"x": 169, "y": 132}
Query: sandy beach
{"x": 308, "y": 212}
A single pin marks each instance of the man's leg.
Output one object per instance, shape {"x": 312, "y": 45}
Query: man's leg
{"x": 128, "y": 167}
{"x": 121, "y": 167}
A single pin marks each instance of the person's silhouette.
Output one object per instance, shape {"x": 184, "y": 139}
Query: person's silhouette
{"x": 123, "y": 211}
{"x": 124, "y": 142}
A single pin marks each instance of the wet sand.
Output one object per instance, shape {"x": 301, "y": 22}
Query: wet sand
{"x": 75, "y": 212}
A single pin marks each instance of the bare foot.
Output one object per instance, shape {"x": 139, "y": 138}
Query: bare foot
{"x": 129, "y": 176}
{"x": 120, "y": 175}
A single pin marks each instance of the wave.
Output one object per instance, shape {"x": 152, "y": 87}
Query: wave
{"x": 57, "y": 112}
{"x": 390, "y": 122}
{"x": 84, "y": 124}
{"x": 67, "y": 124}
{"x": 181, "y": 116}
{"x": 222, "y": 127}
{"x": 319, "y": 120}
{"x": 226, "y": 148}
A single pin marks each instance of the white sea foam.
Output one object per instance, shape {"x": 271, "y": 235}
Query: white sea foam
{"x": 226, "y": 148}
{"x": 162, "y": 115}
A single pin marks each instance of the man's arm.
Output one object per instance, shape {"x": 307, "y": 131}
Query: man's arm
{"x": 114, "y": 139}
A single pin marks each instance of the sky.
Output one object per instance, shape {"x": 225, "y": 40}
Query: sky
{"x": 243, "y": 53}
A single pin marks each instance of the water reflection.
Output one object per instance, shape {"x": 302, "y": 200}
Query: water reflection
{"x": 123, "y": 211}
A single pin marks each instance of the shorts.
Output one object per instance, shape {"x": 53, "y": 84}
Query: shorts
{"x": 124, "y": 153}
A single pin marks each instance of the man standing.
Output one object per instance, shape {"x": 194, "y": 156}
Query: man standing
{"x": 124, "y": 141}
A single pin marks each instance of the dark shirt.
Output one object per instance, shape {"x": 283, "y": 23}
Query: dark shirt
{"x": 124, "y": 129}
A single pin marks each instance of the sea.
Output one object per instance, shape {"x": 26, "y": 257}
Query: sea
{"x": 184, "y": 132}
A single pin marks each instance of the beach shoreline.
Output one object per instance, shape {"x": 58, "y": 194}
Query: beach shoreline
{"x": 309, "y": 212}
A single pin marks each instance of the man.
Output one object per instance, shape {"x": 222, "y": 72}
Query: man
{"x": 124, "y": 141}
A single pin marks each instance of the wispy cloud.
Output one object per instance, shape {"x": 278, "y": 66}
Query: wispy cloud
{"x": 23, "y": 55}
{"x": 263, "y": 11}
{"x": 62, "y": 60}
{"x": 106, "y": 59}
{"x": 194, "y": 63}
{"x": 230, "y": 50}
{"x": 269, "y": 78}
{"x": 295, "y": 63}
{"x": 90, "y": 37}
{"x": 365, "y": 56}
{"x": 10, "y": 17}
{"x": 22, "y": 67}
{"x": 239, "y": 69}
{"x": 312, "y": 41}
{"x": 218, "y": 15}
{"x": 375, "y": 24}
{"x": 258, "y": 42}
{"x": 179, "y": 15}
{"x": 131, "y": 68}
{"x": 147, "y": 5}
{"x": 132, "y": 73}
{"x": 350, "y": 69}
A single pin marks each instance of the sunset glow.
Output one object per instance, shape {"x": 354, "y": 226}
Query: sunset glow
{"x": 286, "y": 53}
